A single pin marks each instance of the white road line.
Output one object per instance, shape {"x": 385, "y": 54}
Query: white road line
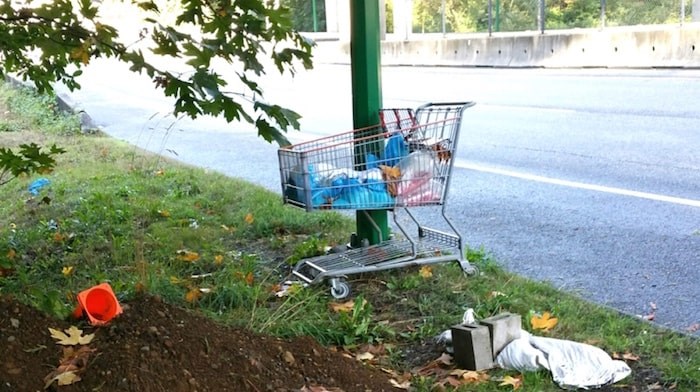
{"x": 580, "y": 185}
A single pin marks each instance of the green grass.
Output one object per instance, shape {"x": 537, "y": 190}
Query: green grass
{"x": 114, "y": 213}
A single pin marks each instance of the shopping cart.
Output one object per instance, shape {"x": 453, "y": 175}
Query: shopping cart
{"x": 406, "y": 161}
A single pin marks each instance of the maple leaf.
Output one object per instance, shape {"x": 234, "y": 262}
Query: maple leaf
{"x": 426, "y": 272}
{"x": 73, "y": 337}
{"x": 186, "y": 255}
{"x": 249, "y": 219}
{"x": 403, "y": 385}
{"x": 342, "y": 306}
{"x": 470, "y": 376}
{"x": 67, "y": 270}
{"x": 626, "y": 356}
{"x": 545, "y": 322}
{"x": 319, "y": 388}
{"x": 193, "y": 295}
{"x": 366, "y": 356}
{"x": 65, "y": 378}
{"x": 515, "y": 382}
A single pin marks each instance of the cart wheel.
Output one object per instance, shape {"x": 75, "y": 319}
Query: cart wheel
{"x": 339, "y": 289}
{"x": 470, "y": 270}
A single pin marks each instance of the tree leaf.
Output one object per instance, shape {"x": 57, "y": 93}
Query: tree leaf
{"x": 342, "y": 306}
{"x": 515, "y": 382}
{"x": 426, "y": 272}
{"x": 186, "y": 255}
{"x": 73, "y": 336}
{"x": 545, "y": 322}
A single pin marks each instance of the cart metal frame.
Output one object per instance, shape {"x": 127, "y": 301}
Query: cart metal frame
{"x": 315, "y": 174}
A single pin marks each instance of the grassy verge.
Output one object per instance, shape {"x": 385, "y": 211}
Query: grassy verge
{"x": 202, "y": 240}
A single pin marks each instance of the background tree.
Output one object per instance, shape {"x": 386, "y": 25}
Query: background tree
{"x": 52, "y": 41}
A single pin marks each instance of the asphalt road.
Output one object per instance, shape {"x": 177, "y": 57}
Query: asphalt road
{"x": 588, "y": 179}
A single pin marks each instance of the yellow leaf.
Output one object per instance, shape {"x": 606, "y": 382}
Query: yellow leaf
{"x": 545, "y": 322}
{"x": 218, "y": 259}
{"x": 626, "y": 356}
{"x": 11, "y": 254}
{"x": 342, "y": 307}
{"x": 67, "y": 270}
{"x": 164, "y": 213}
{"x": 249, "y": 278}
{"x": 515, "y": 382}
{"x": 73, "y": 336}
{"x": 470, "y": 376}
{"x": 406, "y": 385}
{"x": 159, "y": 172}
{"x": 65, "y": 378}
{"x": 249, "y": 219}
{"x": 175, "y": 280}
{"x": 426, "y": 272}
{"x": 366, "y": 356}
{"x": 186, "y": 255}
{"x": 193, "y": 295}
{"x": 495, "y": 294}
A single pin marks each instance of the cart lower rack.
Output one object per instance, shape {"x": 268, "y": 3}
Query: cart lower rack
{"x": 404, "y": 162}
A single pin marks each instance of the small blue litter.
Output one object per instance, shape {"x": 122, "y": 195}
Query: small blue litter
{"x": 37, "y": 185}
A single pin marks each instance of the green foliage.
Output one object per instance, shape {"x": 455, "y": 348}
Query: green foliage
{"x": 28, "y": 160}
{"x": 302, "y": 13}
{"x": 241, "y": 35}
{"x": 508, "y": 15}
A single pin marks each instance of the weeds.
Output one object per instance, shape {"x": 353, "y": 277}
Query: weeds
{"x": 208, "y": 242}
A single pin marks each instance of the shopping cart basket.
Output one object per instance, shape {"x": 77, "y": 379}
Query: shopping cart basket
{"x": 406, "y": 161}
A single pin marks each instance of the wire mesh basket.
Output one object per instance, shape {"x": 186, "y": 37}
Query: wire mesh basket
{"x": 406, "y": 160}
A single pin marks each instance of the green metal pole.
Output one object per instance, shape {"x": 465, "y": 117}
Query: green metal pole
{"x": 365, "y": 65}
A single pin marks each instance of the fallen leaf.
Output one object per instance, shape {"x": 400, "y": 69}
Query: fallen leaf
{"x": 426, "y": 272}
{"x": 186, "y": 255}
{"x": 342, "y": 307}
{"x": 73, "y": 337}
{"x": 545, "y": 322}
{"x": 65, "y": 378}
{"x": 159, "y": 172}
{"x": 164, "y": 213}
{"x": 470, "y": 376}
{"x": 366, "y": 356}
{"x": 193, "y": 295}
{"x": 626, "y": 356}
{"x": 404, "y": 385}
{"x": 58, "y": 237}
{"x": 11, "y": 254}
{"x": 249, "y": 219}
{"x": 249, "y": 279}
{"x": 445, "y": 359}
{"x": 318, "y": 388}
{"x": 515, "y": 382}
{"x": 67, "y": 270}
{"x": 218, "y": 259}
{"x": 495, "y": 294}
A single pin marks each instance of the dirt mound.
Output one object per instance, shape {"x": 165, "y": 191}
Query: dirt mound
{"x": 157, "y": 347}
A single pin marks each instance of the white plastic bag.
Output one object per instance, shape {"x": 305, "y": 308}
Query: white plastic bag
{"x": 521, "y": 356}
{"x": 573, "y": 365}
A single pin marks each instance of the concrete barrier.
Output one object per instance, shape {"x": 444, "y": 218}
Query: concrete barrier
{"x": 637, "y": 47}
